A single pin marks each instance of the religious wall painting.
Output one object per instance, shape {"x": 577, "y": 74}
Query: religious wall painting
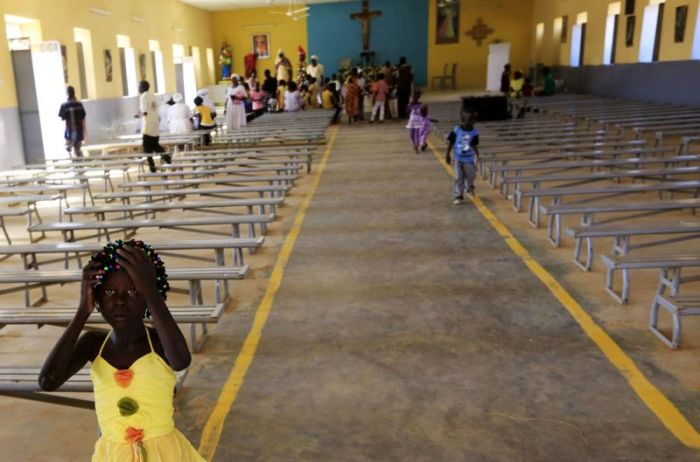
{"x": 447, "y": 26}
{"x": 261, "y": 45}
{"x": 64, "y": 58}
{"x": 629, "y": 31}
{"x": 108, "y": 65}
{"x": 142, "y": 66}
{"x": 681, "y": 21}
{"x": 564, "y": 29}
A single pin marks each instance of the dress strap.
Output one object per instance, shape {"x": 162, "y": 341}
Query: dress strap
{"x": 104, "y": 342}
{"x": 148, "y": 336}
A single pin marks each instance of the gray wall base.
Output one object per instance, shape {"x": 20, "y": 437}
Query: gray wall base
{"x": 663, "y": 82}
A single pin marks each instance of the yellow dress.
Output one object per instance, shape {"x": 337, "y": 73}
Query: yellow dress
{"x": 135, "y": 412}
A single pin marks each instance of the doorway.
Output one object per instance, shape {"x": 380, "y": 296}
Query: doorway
{"x": 35, "y": 67}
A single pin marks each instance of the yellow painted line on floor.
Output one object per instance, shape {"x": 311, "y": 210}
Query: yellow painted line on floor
{"x": 655, "y": 400}
{"x": 215, "y": 424}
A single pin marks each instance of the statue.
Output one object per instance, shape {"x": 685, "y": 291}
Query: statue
{"x": 225, "y": 60}
{"x": 301, "y": 70}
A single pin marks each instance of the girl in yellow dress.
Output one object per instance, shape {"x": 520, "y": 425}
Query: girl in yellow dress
{"x": 132, "y": 365}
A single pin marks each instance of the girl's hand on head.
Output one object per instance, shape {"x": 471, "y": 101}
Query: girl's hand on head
{"x": 140, "y": 269}
{"x": 92, "y": 273}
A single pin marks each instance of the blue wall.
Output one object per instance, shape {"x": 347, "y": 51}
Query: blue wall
{"x": 401, "y": 30}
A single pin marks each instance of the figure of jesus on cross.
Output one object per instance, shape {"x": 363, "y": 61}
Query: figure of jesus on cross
{"x": 365, "y": 16}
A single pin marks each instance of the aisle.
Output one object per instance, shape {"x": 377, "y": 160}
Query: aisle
{"x": 405, "y": 330}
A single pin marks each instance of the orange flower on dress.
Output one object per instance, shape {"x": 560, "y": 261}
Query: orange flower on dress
{"x": 133, "y": 435}
{"x": 123, "y": 377}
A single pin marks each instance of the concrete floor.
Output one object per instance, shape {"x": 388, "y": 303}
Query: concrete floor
{"x": 404, "y": 330}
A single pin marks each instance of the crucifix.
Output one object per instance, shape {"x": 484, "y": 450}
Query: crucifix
{"x": 479, "y": 31}
{"x": 365, "y": 16}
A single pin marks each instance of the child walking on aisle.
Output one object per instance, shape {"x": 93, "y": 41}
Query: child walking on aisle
{"x": 464, "y": 139}
{"x": 415, "y": 120}
{"x": 426, "y": 125}
{"x": 133, "y": 365}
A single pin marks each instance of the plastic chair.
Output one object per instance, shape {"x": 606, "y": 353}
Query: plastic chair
{"x": 441, "y": 78}
{"x": 452, "y": 78}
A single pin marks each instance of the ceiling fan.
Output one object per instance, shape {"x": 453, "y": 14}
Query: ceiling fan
{"x": 295, "y": 14}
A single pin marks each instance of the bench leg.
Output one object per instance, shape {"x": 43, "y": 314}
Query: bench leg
{"x": 661, "y": 302}
{"x": 4, "y": 230}
{"x": 589, "y": 254}
{"x": 221, "y": 262}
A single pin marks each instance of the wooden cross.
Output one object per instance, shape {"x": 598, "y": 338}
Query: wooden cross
{"x": 479, "y": 31}
{"x": 365, "y": 16}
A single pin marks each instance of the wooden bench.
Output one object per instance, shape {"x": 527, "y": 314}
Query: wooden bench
{"x": 600, "y": 192}
{"x": 61, "y": 316}
{"x": 12, "y": 212}
{"x": 553, "y": 165}
{"x": 235, "y": 170}
{"x": 669, "y": 264}
{"x": 622, "y": 234}
{"x": 274, "y": 179}
{"x": 577, "y": 179}
{"x": 68, "y": 229}
{"x": 23, "y": 383}
{"x": 31, "y": 279}
{"x": 271, "y": 191}
{"x": 128, "y": 210}
{"x": 589, "y": 211}
{"x": 677, "y": 306}
{"x": 28, "y": 252}
{"x": 585, "y": 150}
{"x": 47, "y": 188}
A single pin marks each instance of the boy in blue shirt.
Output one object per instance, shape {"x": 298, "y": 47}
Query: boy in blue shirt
{"x": 464, "y": 139}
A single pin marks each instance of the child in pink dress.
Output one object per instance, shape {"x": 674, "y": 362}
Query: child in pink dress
{"x": 425, "y": 127}
{"x": 415, "y": 120}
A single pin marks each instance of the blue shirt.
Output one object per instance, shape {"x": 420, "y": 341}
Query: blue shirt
{"x": 464, "y": 143}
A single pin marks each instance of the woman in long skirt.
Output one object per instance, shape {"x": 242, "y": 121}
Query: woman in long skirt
{"x": 352, "y": 99}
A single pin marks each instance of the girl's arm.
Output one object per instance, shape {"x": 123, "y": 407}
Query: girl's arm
{"x": 143, "y": 274}
{"x": 70, "y": 353}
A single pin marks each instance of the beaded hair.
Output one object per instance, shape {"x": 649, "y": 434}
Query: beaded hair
{"x": 107, "y": 258}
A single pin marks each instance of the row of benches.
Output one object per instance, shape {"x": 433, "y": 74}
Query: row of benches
{"x": 215, "y": 181}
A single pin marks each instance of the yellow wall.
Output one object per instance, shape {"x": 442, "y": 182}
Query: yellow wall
{"x": 547, "y": 10}
{"x": 510, "y": 20}
{"x": 237, "y": 27}
{"x": 59, "y": 17}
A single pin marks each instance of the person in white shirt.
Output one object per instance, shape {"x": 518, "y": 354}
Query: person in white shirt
{"x": 235, "y": 104}
{"x": 166, "y": 102}
{"x": 293, "y": 101}
{"x": 179, "y": 116}
{"x": 315, "y": 69}
{"x": 150, "y": 131}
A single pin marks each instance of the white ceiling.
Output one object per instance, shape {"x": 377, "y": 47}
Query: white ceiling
{"x": 222, "y": 5}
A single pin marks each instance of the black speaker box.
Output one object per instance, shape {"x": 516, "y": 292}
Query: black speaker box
{"x": 487, "y": 107}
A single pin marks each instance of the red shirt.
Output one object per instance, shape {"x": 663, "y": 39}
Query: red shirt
{"x": 380, "y": 89}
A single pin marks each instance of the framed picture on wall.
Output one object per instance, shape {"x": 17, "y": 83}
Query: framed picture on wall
{"x": 629, "y": 30}
{"x": 681, "y": 20}
{"x": 64, "y": 57}
{"x": 261, "y": 45}
{"x": 108, "y": 65}
{"x": 142, "y": 66}
{"x": 564, "y": 29}
{"x": 447, "y": 26}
